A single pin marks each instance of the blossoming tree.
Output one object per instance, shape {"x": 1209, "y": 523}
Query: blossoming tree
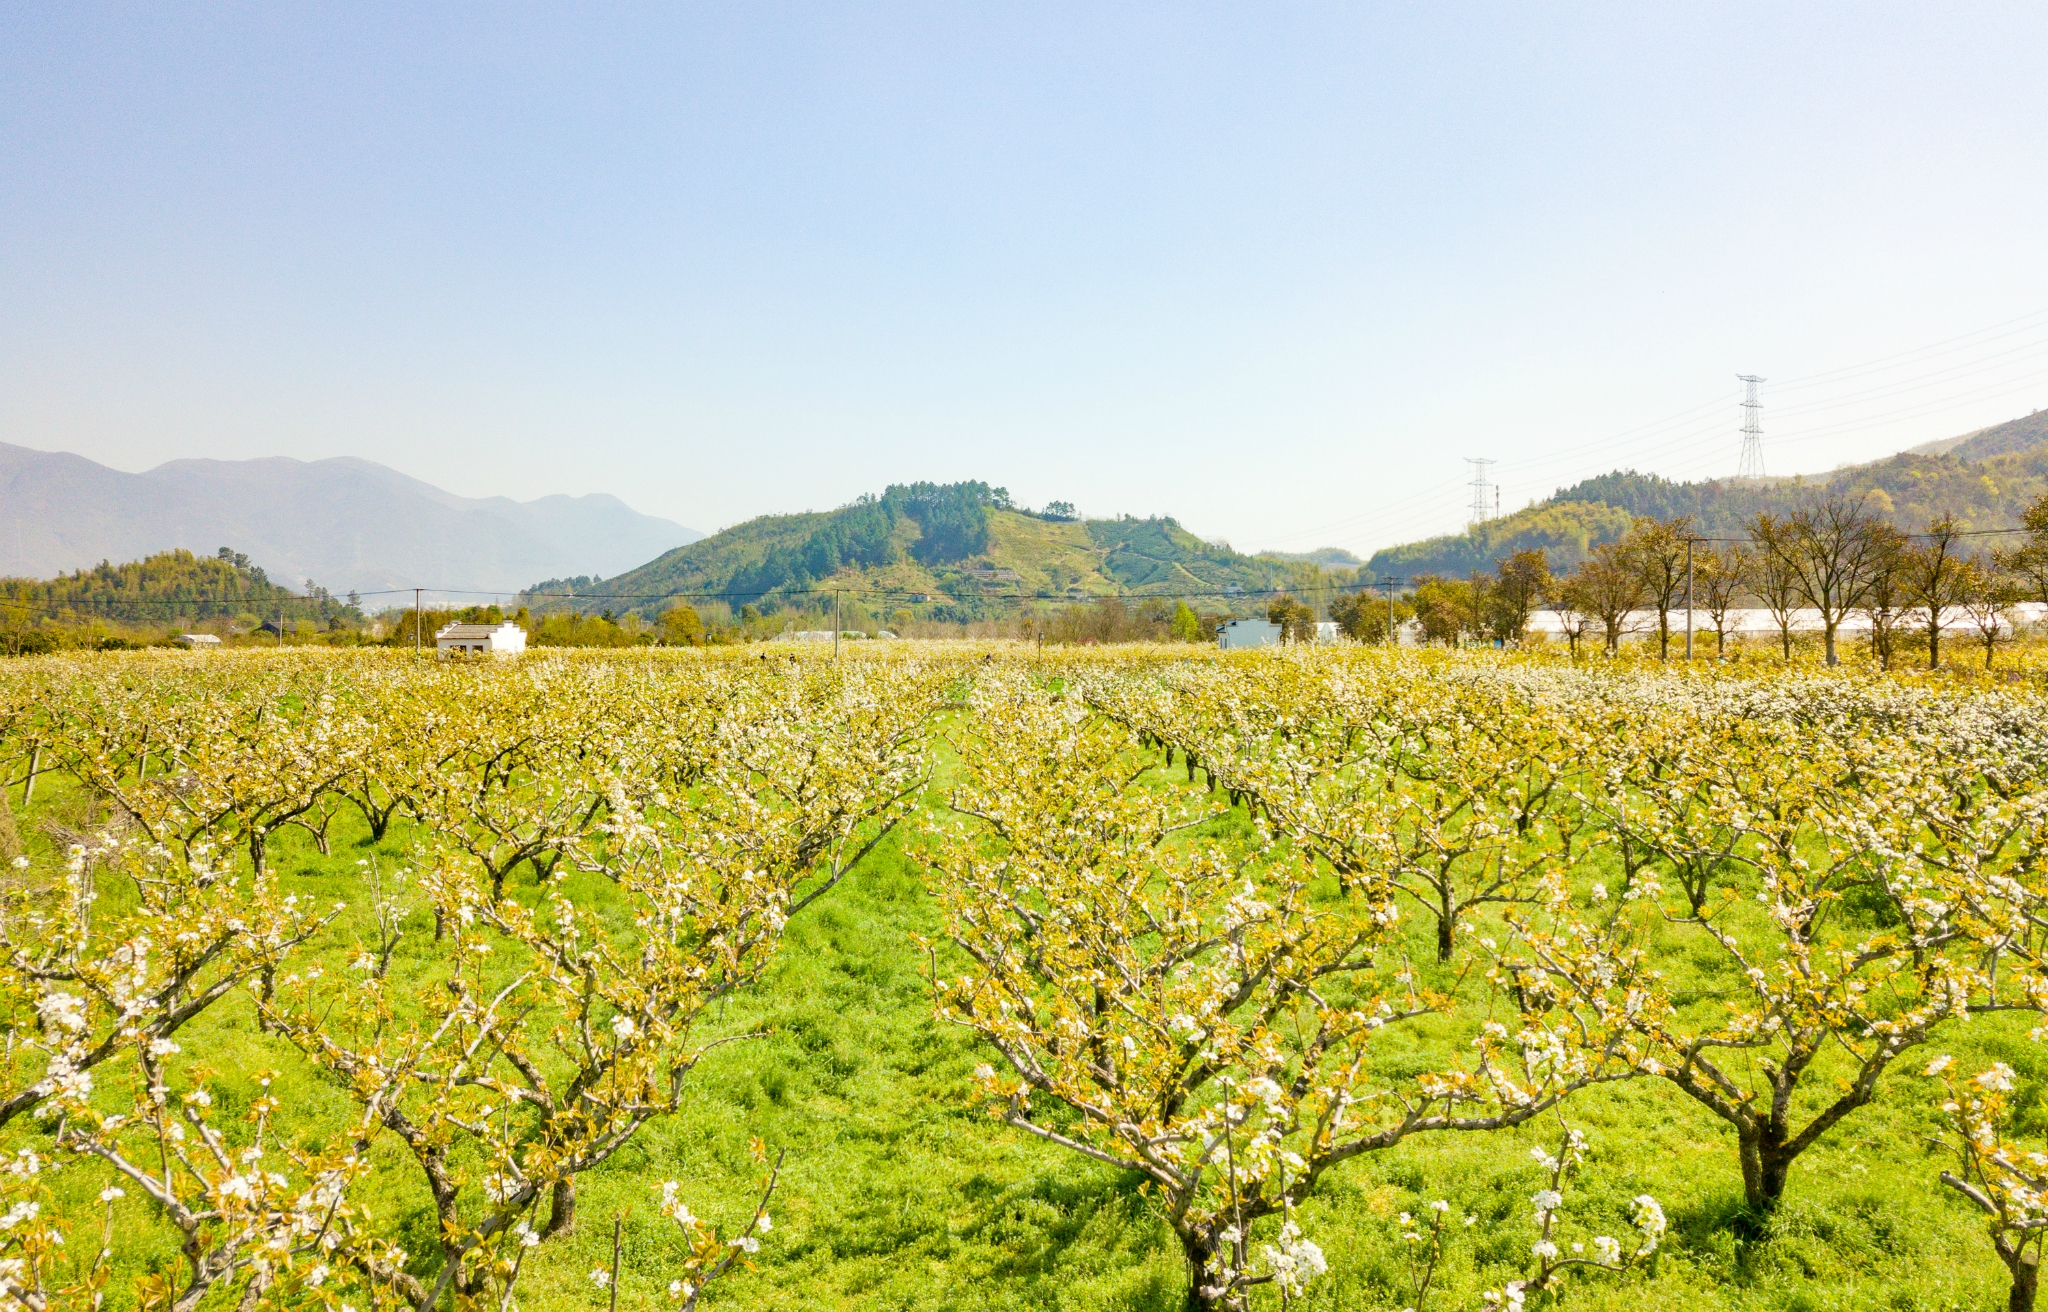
{"x": 1197, "y": 1014}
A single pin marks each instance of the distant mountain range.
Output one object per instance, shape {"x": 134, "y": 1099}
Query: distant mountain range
{"x": 958, "y": 551}
{"x": 346, "y": 523}
{"x": 1985, "y": 479}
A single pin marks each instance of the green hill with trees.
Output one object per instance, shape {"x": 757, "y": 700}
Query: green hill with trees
{"x": 161, "y": 594}
{"x": 953, "y": 552}
{"x": 1984, "y": 480}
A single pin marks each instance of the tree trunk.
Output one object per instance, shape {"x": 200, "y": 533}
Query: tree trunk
{"x": 1933, "y": 647}
{"x": 1776, "y": 1166}
{"x": 1829, "y": 630}
{"x": 194, "y": 1293}
{"x": 2026, "y": 1279}
{"x": 267, "y": 991}
{"x": 252, "y": 1294}
{"x": 1200, "y": 1256}
{"x": 562, "y": 1209}
{"x": 1765, "y": 1165}
{"x": 10, "y": 837}
{"x": 1444, "y": 926}
{"x": 378, "y": 820}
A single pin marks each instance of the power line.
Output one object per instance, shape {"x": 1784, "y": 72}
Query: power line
{"x": 1379, "y": 515}
{"x": 1870, "y": 366}
{"x": 1686, "y": 419}
{"x": 1940, "y": 377}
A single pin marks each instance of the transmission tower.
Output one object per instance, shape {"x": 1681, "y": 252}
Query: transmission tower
{"x": 1752, "y": 430}
{"x": 1483, "y": 502}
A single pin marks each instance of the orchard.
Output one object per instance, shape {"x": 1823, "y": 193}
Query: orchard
{"x": 985, "y": 976}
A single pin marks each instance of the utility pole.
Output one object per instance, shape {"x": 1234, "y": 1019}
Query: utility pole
{"x": 418, "y": 641}
{"x": 1480, "y": 487}
{"x": 1752, "y": 465}
{"x": 835, "y": 625}
{"x": 1391, "y": 579}
{"x": 1688, "y": 600}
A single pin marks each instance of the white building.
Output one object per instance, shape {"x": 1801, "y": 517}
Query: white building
{"x": 505, "y": 639}
{"x": 198, "y": 641}
{"x": 1234, "y": 634}
{"x": 1755, "y": 623}
{"x": 1328, "y": 631}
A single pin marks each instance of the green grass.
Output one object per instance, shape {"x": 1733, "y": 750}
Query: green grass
{"x": 897, "y": 1193}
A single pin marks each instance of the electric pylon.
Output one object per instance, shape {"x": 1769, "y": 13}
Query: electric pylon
{"x": 1752, "y": 465}
{"x": 1482, "y": 504}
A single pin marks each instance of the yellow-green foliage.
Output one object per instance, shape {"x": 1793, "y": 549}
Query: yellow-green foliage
{"x": 741, "y": 884}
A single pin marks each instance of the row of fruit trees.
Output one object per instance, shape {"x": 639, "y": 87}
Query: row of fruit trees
{"x": 1184, "y": 902}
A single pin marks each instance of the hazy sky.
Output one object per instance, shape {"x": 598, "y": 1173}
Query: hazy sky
{"x": 1271, "y": 269}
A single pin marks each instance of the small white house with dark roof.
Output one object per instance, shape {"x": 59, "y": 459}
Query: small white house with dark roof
{"x": 1237, "y": 634}
{"x": 506, "y": 639}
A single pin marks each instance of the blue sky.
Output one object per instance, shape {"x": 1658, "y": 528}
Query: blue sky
{"x": 1272, "y": 269}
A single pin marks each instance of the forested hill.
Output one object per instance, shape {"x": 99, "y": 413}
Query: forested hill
{"x": 173, "y": 589}
{"x": 957, "y": 551}
{"x": 1984, "y": 479}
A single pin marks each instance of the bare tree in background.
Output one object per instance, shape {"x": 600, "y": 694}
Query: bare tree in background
{"x": 1936, "y": 579}
{"x": 1657, "y": 550}
{"x": 1562, "y": 599}
{"x": 1775, "y": 580}
{"x": 1887, "y": 594}
{"x": 2028, "y": 561}
{"x": 1720, "y": 578}
{"x": 1607, "y": 586}
{"x": 1478, "y": 605}
{"x": 1832, "y": 551}
{"x": 1988, "y": 596}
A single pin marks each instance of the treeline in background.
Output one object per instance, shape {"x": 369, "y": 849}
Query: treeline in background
{"x": 1833, "y": 564}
